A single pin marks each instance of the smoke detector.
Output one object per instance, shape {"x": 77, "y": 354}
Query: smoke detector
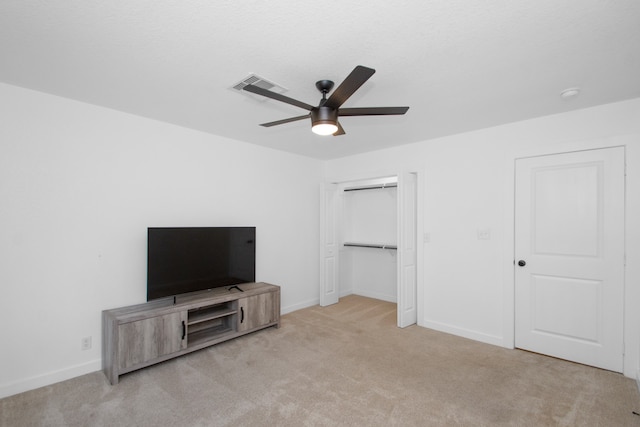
{"x": 572, "y": 92}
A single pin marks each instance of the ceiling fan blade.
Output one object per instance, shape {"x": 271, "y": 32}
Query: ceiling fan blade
{"x": 358, "y": 76}
{"x": 372, "y": 111}
{"x": 283, "y": 121}
{"x": 340, "y": 130}
{"x": 259, "y": 91}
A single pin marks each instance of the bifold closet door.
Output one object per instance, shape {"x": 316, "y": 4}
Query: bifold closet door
{"x": 407, "y": 249}
{"x": 329, "y": 205}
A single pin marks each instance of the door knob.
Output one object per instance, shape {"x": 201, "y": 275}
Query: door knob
{"x": 522, "y": 263}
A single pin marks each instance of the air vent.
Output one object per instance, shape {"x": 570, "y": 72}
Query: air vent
{"x": 253, "y": 79}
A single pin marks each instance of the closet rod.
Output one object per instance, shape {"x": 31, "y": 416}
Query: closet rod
{"x": 390, "y": 185}
{"x": 366, "y": 245}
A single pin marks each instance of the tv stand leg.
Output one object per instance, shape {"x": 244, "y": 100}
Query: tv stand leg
{"x": 236, "y": 287}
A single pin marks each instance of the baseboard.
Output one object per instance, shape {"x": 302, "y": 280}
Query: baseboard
{"x": 462, "y": 332}
{"x": 299, "y": 306}
{"x": 9, "y": 389}
{"x": 316, "y": 301}
{"x": 375, "y": 295}
{"x": 346, "y": 292}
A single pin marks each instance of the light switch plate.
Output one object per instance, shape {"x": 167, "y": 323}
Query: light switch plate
{"x": 484, "y": 234}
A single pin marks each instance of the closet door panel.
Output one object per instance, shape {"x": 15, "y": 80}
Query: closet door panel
{"x": 407, "y": 249}
{"x": 329, "y": 266}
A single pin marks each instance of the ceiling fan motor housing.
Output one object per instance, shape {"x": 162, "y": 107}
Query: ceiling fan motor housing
{"x": 324, "y": 115}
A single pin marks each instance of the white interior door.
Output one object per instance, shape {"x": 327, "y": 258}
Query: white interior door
{"x": 407, "y": 249}
{"x": 329, "y": 293}
{"x": 569, "y": 248}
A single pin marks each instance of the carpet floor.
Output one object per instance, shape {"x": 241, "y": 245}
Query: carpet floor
{"x": 343, "y": 365}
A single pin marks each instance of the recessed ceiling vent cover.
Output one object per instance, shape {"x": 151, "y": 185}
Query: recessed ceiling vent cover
{"x": 261, "y": 82}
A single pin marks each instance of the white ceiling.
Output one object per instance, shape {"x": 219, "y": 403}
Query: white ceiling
{"x": 459, "y": 64}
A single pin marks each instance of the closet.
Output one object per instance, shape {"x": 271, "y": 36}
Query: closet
{"x": 368, "y": 239}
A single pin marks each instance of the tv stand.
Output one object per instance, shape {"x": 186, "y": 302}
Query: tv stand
{"x": 141, "y": 335}
{"x": 234, "y": 287}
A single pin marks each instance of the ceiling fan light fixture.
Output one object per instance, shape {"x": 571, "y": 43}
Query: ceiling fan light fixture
{"x": 324, "y": 121}
{"x": 324, "y": 128}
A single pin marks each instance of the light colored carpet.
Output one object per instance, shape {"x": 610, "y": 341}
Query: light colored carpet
{"x": 344, "y": 365}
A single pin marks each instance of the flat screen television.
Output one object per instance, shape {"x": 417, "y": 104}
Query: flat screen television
{"x": 189, "y": 259}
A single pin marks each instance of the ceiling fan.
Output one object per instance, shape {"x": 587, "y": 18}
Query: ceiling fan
{"x": 324, "y": 117}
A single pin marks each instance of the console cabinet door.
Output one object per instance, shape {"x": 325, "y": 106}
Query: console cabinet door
{"x": 144, "y": 340}
{"x": 257, "y": 310}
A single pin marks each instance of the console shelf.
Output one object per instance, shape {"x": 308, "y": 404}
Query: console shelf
{"x": 206, "y": 335}
{"x": 138, "y": 336}
{"x": 209, "y": 313}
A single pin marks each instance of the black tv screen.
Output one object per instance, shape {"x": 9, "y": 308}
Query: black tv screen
{"x": 189, "y": 259}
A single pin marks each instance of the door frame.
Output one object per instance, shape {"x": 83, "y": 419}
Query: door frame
{"x": 419, "y": 188}
{"x": 631, "y": 321}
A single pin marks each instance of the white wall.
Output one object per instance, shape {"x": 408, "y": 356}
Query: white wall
{"x": 369, "y": 216}
{"x": 468, "y": 186}
{"x": 80, "y": 184}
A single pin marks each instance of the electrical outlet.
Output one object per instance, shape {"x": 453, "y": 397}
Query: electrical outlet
{"x": 85, "y": 343}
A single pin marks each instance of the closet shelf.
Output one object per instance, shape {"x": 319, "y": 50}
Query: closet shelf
{"x": 370, "y": 245}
